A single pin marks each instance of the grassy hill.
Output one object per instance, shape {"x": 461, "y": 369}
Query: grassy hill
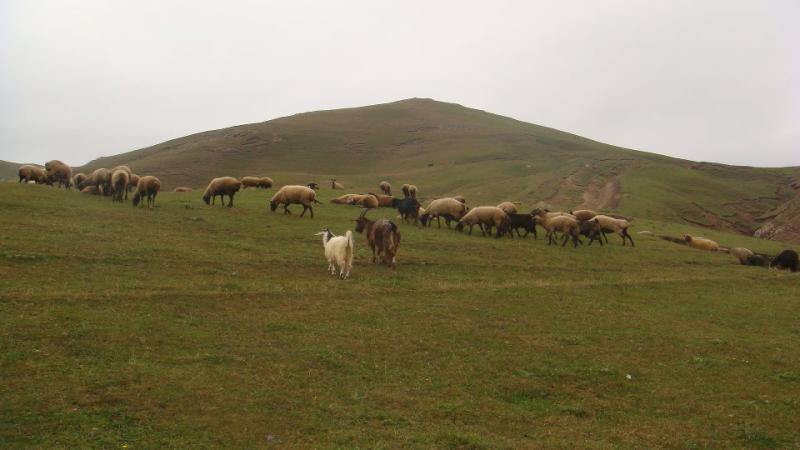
{"x": 446, "y": 148}
{"x": 194, "y": 326}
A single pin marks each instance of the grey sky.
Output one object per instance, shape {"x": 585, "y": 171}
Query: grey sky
{"x": 703, "y": 80}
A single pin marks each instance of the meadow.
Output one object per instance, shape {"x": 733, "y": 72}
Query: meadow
{"x": 196, "y": 326}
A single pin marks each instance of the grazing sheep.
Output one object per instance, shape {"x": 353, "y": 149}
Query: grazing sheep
{"x": 386, "y": 188}
{"x": 408, "y": 208}
{"x": 58, "y": 172}
{"x": 786, "y": 259}
{"x": 122, "y": 167}
{"x": 565, "y": 224}
{"x": 265, "y": 182}
{"x": 250, "y": 182}
{"x": 742, "y": 254}
{"x": 222, "y": 186}
{"x": 338, "y": 251}
{"x": 583, "y": 214}
{"x": 460, "y": 198}
{"x": 344, "y": 199}
{"x": 367, "y": 201}
{"x": 78, "y": 178}
{"x": 701, "y": 243}
{"x": 148, "y": 186}
{"x": 134, "y": 182}
{"x": 612, "y": 225}
{"x": 101, "y": 178}
{"x": 182, "y": 189}
{"x": 525, "y": 221}
{"x": 758, "y": 260}
{"x": 591, "y": 229}
{"x": 409, "y": 190}
{"x": 92, "y": 190}
{"x": 485, "y": 217}
{"x": 383, "y": 237}
{"x": 119, "y": 185}
{"x": 385, "y": 201}
{"x": 335, "y": 184}
{"x": 508, "y": 207}
{"x": 449, "y": 208}
{"x": 28, "y": 173}
{"x": 288, "y": 195}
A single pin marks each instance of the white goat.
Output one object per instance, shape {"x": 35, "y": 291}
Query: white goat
{"x": 339, "y": 251}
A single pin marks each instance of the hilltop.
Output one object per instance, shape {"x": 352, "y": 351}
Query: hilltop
{"x": 447, "y": 148}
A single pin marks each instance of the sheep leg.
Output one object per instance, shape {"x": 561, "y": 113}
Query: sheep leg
{"x": 624, "y": 235}
{"x": 286, "y": 209}
{"x": 311, "y": 210}
{"x": 230, "y": 201}
{"x": 603, "y": 232}
{"x": 372, "y": 246}
{"x": 470, "y": 230}
{"x": 304, "y": 210}
{"x": 564, "y": 241}
{"x": 439, "y": 221}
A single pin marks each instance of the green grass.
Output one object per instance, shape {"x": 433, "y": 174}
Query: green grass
{"x": 192, "y": 326}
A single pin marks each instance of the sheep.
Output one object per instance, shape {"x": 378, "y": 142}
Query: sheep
{"x": 407, "y": 207}
{"x": 525, "y": 221}
{"x": 384, "y": 200}
{"x": 404, "y": 190}
{"x": 338, "y": 251}
{"x": 591, "y": 229}
{"x": 313, "y": 185}
{"x": 786, "y": 259}
{"x": 367, "y": 201}
{"x": 343, "y": 200}
{"x": 383, "y": 237}
{"x": 385, "y": 187}
{"x": 565, "y": 224}
{"x": 92, "y": 190}
{"x": 148, "y": 186}
{"x": 265, "y": 182}
{"x": 485, "y": 217}
{"x": 412, "y": 191}
{"x": 119, "y": 185}
{"x": 250, "y": 182}
{"x": 508, "y": 207}
{"x": 101, "y": 178}
{"x": 122, "y": 167}
{"x": 583, "y": 214}
{"x": 222, "y": 186}
{"x": 291, "y": 194}
{"x": 28, "y": 173}
{"x": 78, "y": 178}
{"x": 134, "y": 182}
{"x": 742, "y": 254}
{"x": 460, "y": 198}
{"x": 335, "y": 184}
{"x": 59, "y": 172}
{"x": 182, "y": 189}
{"x": 612, "y": 225}
{"x": 130, "y": 178}
{"x": 449, "y": 208}
{"x": 700, "y": 243}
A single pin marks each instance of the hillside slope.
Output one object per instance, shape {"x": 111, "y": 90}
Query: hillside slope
{"x": 446, "y": 148}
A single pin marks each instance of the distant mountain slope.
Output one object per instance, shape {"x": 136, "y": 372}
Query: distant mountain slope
{"x": 9, "y": 171}
{"x": 446, "y": 148}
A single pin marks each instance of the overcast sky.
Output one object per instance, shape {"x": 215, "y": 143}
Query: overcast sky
{"x": 703, "y": 80}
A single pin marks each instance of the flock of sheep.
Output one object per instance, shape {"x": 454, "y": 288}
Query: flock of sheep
{"x": 383, "y": 235}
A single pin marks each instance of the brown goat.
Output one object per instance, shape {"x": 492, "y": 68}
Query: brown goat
{"x": 383, "y": 237}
